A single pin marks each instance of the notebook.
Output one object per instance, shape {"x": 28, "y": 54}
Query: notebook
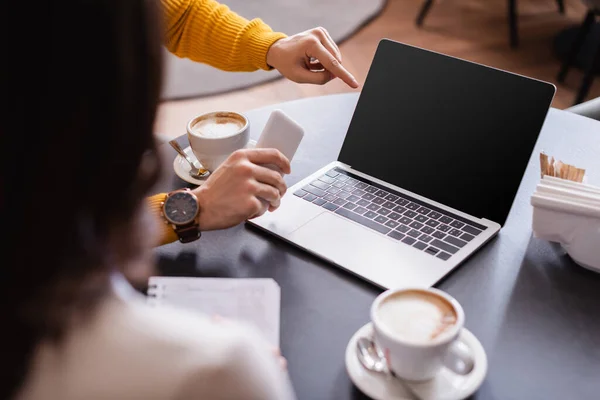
{"x": 251, "y": 300}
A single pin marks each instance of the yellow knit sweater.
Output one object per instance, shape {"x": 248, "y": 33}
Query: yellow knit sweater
{"x": 210, "y": 33}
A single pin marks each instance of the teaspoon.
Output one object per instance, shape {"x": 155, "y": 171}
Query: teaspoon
{"x": 194, "y": 172}
{"x": 372, "y": 358}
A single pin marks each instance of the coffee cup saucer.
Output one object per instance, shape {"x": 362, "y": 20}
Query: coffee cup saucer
{"x": 445, "y": 386}
{"x": 182, "y": 168}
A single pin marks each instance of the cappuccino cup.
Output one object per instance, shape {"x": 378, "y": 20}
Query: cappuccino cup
{"x": 418, "y": 330}
{"x": 214, "y": 136}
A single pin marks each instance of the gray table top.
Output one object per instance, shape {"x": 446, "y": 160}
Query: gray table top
{"x": 536, "y": 313}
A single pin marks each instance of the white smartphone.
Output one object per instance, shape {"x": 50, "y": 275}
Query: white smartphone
{"x": 282, "y": 133}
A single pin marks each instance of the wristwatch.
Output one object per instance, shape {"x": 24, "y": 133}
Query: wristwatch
{"x": 180, "y": 209}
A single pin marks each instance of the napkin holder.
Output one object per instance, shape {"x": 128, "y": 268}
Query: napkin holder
{"x": 568, "y": 213}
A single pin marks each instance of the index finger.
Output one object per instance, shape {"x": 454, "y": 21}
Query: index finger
{"x": 332, "y": 65}
{"x": 269, "y": 156}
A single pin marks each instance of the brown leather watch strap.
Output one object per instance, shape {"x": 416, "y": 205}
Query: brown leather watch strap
{"x": 188, "y": 233}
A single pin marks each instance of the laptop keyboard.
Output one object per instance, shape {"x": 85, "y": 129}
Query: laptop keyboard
{"x": 403, "y": 218}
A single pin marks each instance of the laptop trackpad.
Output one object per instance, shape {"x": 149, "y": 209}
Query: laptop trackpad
{"x": 293, "y": 213}
{"x": 356, "y": 248}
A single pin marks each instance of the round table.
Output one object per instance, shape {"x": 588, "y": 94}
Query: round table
{"x": 536, "y": 313}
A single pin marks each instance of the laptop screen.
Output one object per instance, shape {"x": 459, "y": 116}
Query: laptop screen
{"x": 453, "y": 131}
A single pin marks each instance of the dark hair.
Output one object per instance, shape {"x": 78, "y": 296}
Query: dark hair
{"x": 78, "y": 158}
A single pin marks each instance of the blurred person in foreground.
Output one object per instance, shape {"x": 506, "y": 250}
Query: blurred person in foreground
{"x": 73, "y": 327}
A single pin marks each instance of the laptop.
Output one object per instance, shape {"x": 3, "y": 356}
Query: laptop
{"x": 427, "y": 173}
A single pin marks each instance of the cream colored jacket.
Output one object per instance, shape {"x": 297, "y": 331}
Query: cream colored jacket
{"x": 131, "y": 351}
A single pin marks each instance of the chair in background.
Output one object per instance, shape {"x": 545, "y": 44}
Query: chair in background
{"x": 512, "y": 17}
{"x": 594, "y": 62}
{"x": 590, "y": 109}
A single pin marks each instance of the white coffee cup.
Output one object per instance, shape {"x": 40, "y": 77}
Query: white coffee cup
{"x": 418, "y": 330}
{"x": 214, "y": 136}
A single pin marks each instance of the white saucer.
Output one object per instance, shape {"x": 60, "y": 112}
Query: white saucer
{"x": 445, "y": 386}
{"x": 182, "y": 168}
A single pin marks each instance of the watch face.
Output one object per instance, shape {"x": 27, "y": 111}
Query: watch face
{"x": 180, "y": 208}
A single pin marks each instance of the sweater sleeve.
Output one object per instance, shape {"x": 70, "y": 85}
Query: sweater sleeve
{"x": 166, "y": 234}
{"x": 209, "y": 32}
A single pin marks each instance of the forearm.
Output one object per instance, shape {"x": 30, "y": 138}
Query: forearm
{"x": 209, "y": 32}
